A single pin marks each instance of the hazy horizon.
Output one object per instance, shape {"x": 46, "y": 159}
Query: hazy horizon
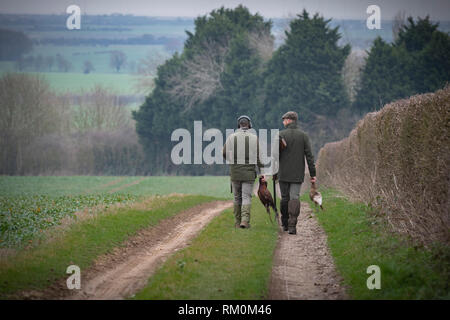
{"x": 344, "y": 9}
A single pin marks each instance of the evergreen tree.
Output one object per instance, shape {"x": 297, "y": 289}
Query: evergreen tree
{"x": 305, "y": 73}
{"x": 417, "y": 62}
{"x": 416, "y": 36}
{"x": 215, "y": 79}
{"x": 429, "y": 50}
{"x": 383, "y": 78}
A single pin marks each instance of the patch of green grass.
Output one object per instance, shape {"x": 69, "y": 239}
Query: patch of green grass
{"x": 221, "y": 263}
{"x": 358, "y": 239}
{"x": 25, "y": 217}
{"x": 51, "y": 185}
{"x": 61, "y": 82}
{"x": 40, "y": 266}
{"x": 216, "y": 186}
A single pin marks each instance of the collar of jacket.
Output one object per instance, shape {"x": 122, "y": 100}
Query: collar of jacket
{"x": 292, "y": 125}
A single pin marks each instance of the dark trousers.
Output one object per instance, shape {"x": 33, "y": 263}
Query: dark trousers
{"x": 290, "y": 205}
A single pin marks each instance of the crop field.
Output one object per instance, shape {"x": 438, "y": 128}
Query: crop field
{"x": 30, "y": 205}
{"x": 78, "y": 82}
{"x": 99, "y": 56}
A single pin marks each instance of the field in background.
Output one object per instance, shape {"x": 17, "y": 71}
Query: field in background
{"x": 217, "y": 186}
{"x": 118, "y": 83}
{"x": 168, "y": 34}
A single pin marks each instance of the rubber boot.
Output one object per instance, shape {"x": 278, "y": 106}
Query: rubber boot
{"x": 294, "y": 212}
{"x": 237, "y": 215}
{"x": 245, "y": 216}
{"x": 284, "y": 214}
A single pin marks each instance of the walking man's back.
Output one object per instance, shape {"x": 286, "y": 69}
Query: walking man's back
{"x": 291, "y": 172}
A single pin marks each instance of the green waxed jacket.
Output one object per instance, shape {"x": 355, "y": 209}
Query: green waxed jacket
{"x": 292, "y": 158}
{"x": 244, "y": 168}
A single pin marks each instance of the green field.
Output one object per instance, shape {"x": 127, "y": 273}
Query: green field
{"x": 222, "y": 263}
{"x": 217, "y": 186}
{"x": 81, "y": 243}
{"x": 70, "y": 82}
{"x": 119, "y": 83}
{"x": 99, "y": 56}
{"x": 30, "y": 205}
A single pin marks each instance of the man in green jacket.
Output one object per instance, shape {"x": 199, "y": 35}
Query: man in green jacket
{"x": 241, "y": 150}
{"x": 292, "y": 170}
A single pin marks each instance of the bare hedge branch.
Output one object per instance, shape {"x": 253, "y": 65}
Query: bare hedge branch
{"x": 398, "y": 160}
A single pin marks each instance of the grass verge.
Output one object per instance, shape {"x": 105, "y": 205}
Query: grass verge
{"x": 358, "y": 239}
{"x": 40, "y": 266}
{"x": 221, "y": 263}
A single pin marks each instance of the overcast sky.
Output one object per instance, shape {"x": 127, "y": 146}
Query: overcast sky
{"x": 352, "y": 9}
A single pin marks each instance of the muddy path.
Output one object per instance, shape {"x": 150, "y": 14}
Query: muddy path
{"x": 303, "y": 267}
{"x": 126, "y": 270}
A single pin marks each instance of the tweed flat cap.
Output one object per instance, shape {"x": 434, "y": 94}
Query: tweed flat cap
{"x": 290, "y": 115}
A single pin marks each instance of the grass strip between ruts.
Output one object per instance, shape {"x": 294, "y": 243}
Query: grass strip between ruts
{"x": 222, "y": 262}
{"x": 39, "y": 267}
{"x": 358, "y": 238}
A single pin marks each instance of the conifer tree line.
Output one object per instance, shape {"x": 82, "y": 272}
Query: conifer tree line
{"x": 229, "y": 67}
{"x": 418, "y": 61}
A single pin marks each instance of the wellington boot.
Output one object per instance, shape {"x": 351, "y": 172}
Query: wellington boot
{"x": 294, "y": 212}
{"x": 284, "y": 214}
{"x": 245, "y": 225}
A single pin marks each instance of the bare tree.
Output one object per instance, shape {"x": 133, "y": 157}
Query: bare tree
{"x": 262, "y": 43}
{"x": 398, "y": 22}
{"x": 352, "y": 70}
{"x": 100, "y": 109}
{"x": 200, "y": 78}
{"x": 29, "y": 110}
{"x": 117, "y": 60}
{"x": 147, "y": 71}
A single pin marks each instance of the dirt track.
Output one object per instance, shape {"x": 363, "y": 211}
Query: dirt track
{"x": 144, "y": 253}
{"x": 126, "y": 270}
{"x": 303, "y": 267}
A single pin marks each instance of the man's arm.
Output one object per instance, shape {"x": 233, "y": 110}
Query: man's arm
{"x": 224, "y": 150}
{"x": 258, "y": 158}
{"x": 309, "y": 157}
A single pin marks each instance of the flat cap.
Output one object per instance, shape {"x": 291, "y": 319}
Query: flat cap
{"x": 290, "y": 115}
